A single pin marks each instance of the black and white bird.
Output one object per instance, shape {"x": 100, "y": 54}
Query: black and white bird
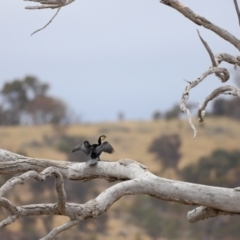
{"x": 95, "y": 150}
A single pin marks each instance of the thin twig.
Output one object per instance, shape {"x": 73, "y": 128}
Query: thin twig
{"x": 201, "y": 213}
{"x": 225, "y": 76}
{"x": 201, "y": 21}
{"x": 227, "y": 89}
{"x": 59, "y": 229}
{"x": 214, "y": 63}
{"x": 237, "y": 10}
{"x": 48, "y": 22}
{"x": 208, "y": 50}
{"x": 10, "y": 219}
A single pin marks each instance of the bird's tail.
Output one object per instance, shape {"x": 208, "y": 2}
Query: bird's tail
{"x": 92, "y": 162}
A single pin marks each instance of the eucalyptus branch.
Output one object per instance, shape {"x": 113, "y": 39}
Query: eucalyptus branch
{"x": 8, "y": 205}
{"x": 237, "y": 10}
{"x": 49, "y": 4}
{"x": 60, "y": 229}
{"x": 202, "y": 213}
{"x": 10, "y": 219}
{"x": 225, "y": 76}
{"x": 214, "y": 64}
{"x": 228, "y": 89}
{"x": 40, "y": 29}
{"x": 208, "y": 50}
{"x": 201, "y": 21}
{"x": 225, "y": 57}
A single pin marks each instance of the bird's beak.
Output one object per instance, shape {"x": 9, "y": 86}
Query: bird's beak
{"x": 76, "y": 148}
{"x": 104, "y": 137}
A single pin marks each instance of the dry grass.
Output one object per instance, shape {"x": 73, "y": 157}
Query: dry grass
{"x": 130, "y": 140}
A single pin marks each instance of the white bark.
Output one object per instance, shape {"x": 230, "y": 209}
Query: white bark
{"x": 185, "y": 96}
{"x": 139, "y": 181}
{"x": 48, "y": 4}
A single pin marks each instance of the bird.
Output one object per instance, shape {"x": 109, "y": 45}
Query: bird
{"x": 95, "y": 150}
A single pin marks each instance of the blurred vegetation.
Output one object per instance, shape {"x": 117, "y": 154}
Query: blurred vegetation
{"x": 25, "y": 101}
{"x": 172, "y": 113}
{"x": 168, "y": 220}
{"x": 134, "y": 217}
{"x": 221, "y": 168}
{"x": 229, "y": 108}
{"x": 166, "y": 149}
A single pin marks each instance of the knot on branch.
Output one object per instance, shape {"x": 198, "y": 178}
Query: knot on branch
{"x": 125, "y": 162}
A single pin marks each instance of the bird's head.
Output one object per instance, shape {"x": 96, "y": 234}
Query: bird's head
{"x": 103, "y": 137}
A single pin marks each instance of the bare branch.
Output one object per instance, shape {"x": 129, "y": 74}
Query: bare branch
{"x": 208, "y": 50}
{"x": 227, "y": 58}
{"x": 9, "y": 206}
{"x": 140, "y": 181}
{"x": 228, "y": 89}
{"x": 61, "y": 193}
{"x": 10, "y": 219}
{"x": 52, "y": 6}
{"x": 201, "y": 21}
{"x": 202, "y": 213}
{"x": 214, "y": 64}
{"x": 237, "y": 10}
{"x": 48, "y": 22}
{"x": 225, "y": 76}
{"x": 60, "y": 229}
{"x": 49, "y": 4}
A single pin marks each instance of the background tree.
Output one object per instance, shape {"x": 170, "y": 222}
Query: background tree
{"x": 26, "y": 101}
{"x": 166, "y": 149}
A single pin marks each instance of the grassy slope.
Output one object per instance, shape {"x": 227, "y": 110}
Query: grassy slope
{"x": 130, "y": 140}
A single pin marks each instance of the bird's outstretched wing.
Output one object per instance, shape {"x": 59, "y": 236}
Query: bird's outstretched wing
{"x": 104, "y": 147}
{"x": 85, "y": 147}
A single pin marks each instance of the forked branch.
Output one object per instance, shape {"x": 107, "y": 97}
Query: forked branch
{"x": 48, "y": 4}
{"x": 140, "y": 181}
{"x": 225, "y": 76}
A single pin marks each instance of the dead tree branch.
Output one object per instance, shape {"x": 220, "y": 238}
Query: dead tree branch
{"x": 201, "y": 21}
{"x": 40, "y": 29}
{"x": 186, "y": 93}
{"x": 214, "y": 64}
{"x": 49, "y": 4}
{"x": 229, "y": 90}
{"x": 140, "y": 181}
{"x": 202, "y": 213}
{"x": 237, "y": 10}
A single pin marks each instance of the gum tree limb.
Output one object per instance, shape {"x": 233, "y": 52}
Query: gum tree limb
{"x": 227, "y": 90}
{"x": 201, "y": 21}
{"x": 134, "y": 179}
{"x": 237, "y": 10}
{"x": 225, "y": 76}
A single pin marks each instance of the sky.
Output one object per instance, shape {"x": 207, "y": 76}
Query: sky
{"x": 107, "y": 56}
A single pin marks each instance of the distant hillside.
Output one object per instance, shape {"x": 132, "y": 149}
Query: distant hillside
{"x": 130, "y": 140}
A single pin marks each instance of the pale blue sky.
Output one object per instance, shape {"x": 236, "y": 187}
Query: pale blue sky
{"x": 106, "y": 56}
